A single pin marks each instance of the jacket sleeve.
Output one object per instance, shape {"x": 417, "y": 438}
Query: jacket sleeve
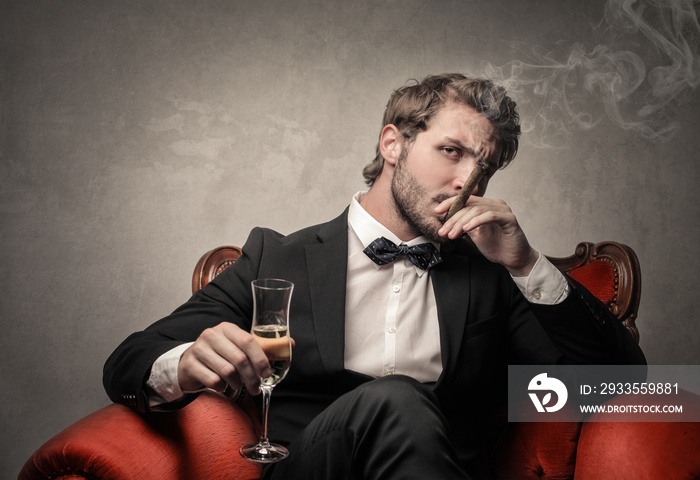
{"x": 586, "y": 332}
{"x": 226, "y": 299}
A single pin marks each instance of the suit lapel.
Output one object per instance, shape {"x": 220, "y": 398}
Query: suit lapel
{"x": 327, "y": 271}
{"x": 451, "y": 285}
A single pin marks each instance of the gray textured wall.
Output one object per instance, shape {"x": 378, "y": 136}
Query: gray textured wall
{"x": 136, "y": 135}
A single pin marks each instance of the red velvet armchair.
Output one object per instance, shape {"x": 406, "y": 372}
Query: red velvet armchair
{"x": 201, "y": 441}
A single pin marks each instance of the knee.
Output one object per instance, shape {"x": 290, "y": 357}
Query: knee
{"x": 399, "y": 408}
{"x": 398, "y": 391}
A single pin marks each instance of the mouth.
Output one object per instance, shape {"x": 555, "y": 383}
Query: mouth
{"x": 438, "y": 199}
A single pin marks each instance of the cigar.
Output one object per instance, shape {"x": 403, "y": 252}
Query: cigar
{"x": 472, "y": 181}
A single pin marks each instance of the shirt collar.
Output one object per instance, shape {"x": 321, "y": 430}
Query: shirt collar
{"x": 368, "y": 229}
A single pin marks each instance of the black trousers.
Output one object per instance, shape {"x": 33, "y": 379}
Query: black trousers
{"x": 390, "y": 429}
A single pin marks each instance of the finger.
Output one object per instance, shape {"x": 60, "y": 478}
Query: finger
{"x": 215, "y": 351}
{"x": 483, "y": 206}
{"x": 454, "y": 227}
{"x": 474, "y": 217}
{"x": 248, "y": 356}
{"x": 444, "y": 206}
{"x": 194, "y": 372}
{"x": 231, "y": 362}
{"x": 217, "y": 386}
{"x": 482, "y": 218}
{"x": 241, "y": 368}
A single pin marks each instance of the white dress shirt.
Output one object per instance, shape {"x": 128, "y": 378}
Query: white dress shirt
{"x": 391, "y": 324}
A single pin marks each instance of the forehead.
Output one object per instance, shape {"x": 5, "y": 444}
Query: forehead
{"x": 465, "y": 124}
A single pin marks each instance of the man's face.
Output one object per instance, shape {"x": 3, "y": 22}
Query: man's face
{"x": 435, "y": 166}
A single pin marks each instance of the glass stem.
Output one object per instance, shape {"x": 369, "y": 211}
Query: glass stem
{"x": 266, "y": 393}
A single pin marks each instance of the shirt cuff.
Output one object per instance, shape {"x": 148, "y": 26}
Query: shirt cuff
{"x": 545, "y": 284}
{"x": 163, "y": 380}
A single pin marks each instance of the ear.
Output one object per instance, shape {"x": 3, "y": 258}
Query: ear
{"x": 390, "y": 144}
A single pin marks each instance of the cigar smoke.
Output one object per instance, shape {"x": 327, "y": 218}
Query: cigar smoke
{"x": 647, "y": 64}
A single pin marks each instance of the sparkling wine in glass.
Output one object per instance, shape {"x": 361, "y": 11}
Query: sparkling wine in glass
{"x": 274, "y": 340}
{"x": 271, "y": 299}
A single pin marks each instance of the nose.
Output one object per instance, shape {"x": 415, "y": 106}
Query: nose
{"x": 471, "y": 179}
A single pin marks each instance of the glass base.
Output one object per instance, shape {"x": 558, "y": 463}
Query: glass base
{"x": 264, "y": 452}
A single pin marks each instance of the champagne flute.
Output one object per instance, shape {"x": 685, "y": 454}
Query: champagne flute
{"x": 271, "y": 299}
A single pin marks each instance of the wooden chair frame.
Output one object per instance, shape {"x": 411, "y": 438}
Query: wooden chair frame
{"x": 626, "y": 271}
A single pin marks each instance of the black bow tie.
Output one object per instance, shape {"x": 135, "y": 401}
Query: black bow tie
{"x": 383, "y": 251}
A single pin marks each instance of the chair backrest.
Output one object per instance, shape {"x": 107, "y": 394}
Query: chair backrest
{"x": 609, "y": 270}
{"x": 213, "y": 263}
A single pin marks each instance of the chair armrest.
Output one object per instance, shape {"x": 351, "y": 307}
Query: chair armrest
{"x": 536, "y": 450}
{"x": 640, "y": 450}
{"x": 199, "y": 441}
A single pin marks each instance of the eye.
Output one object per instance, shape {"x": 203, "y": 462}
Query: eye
{"x": 452, "y": 152}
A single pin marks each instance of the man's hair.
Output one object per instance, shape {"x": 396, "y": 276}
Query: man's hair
{"x": 412, "y": 107}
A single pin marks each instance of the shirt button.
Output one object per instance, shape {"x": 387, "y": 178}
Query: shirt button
{"x": 396, "y": 289}
{"x": 391, "y": 330}
{"x": 389, "y": 371}
{"x": 537, "y": 294}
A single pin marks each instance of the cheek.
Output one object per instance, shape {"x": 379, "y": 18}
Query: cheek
{"x": 430, "y": 176}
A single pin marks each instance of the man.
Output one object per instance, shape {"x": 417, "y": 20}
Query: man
{"x": 396, "y": 363}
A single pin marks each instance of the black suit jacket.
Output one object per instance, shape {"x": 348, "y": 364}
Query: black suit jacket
{"x": 485, "y": 324}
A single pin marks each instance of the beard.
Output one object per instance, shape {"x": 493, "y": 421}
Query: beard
{"x": 413, "y": 205}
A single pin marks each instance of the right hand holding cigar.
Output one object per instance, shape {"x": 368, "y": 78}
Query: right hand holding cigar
{"x": 494, "y": 229}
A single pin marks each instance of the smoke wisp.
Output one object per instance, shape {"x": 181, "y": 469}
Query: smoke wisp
{"x": 647, "y": 64}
